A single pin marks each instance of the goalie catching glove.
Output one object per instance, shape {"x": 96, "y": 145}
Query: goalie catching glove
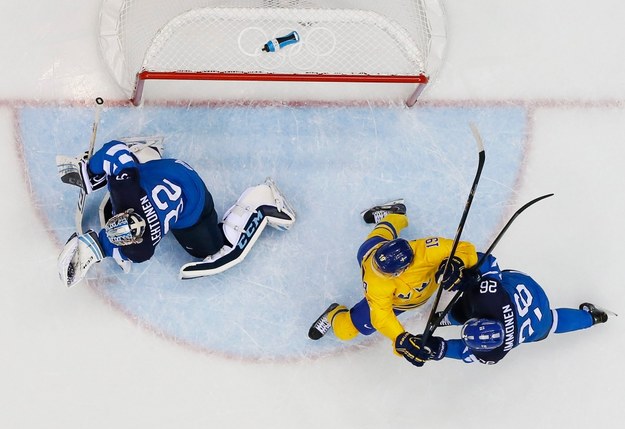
{"x": 75, "y": 171}
{"x": 411, "y": 347}
{"x": 78, "y": 255}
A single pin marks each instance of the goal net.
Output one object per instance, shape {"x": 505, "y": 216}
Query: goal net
{"x": 338, "y": 41}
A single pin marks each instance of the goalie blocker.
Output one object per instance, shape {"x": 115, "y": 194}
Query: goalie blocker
{"x": 242, "y": 224}
{"x": 78, "y": 255}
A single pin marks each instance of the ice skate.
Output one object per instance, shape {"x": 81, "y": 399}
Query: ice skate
{"x": 225, "y": 249}
{"x": 323, "y": 324}
{"x": 285, "y": 216}
{"x": 377, "y": 213}
{"x": 598, "y": 315}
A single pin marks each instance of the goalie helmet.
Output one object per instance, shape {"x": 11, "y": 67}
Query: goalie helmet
{"x": 482, "y": 334}
{"x": 393, "y": 257}
{"x": 125, "y": 228}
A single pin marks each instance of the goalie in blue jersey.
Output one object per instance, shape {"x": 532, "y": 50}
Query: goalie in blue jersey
{"x": 151, "y": 196}
{"x": 502, "y": 310}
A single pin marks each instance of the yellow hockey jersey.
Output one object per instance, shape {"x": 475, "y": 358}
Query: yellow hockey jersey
{"x": 416, "y": 284}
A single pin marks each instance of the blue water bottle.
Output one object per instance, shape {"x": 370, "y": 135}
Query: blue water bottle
{"x": 280, "y": 42}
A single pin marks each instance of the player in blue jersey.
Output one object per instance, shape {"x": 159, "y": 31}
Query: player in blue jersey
{"x": 503, "y": 310}
{"x": 151, "y": 196}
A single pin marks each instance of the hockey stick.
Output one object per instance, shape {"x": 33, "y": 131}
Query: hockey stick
{"x": 80, "y": 207}
{"x": 490, "y": 249}
{"x": 481, "y": 160}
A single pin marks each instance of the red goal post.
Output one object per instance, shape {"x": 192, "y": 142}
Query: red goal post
{"x": 339, "y": 41}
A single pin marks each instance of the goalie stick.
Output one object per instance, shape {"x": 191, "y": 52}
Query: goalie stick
{"x": 80, "y": 207}
{"x": 480, "y": 165}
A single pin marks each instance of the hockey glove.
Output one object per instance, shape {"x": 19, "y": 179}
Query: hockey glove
{"x": 411, "y": 348}
{"x": 470, "y": 277}
{"x": 437, "y": 347}
{"x": 453, "y": 274}
{"x": 75, "y": 171}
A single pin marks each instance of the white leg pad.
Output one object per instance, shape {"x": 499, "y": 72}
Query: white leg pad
{"x": 145, "y": 148}
{"x": 242, "y": 224}
{"x": 243, "y": 237}
{"x": 236, "y": 217}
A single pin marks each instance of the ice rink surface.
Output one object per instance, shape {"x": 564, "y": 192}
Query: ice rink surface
{"x": 543, "y": 82}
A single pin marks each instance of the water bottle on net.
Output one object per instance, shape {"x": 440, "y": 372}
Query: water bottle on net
{"x": 280, "y": 42}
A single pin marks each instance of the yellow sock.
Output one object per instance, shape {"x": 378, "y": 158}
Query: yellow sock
{"x": 342, "y": 324}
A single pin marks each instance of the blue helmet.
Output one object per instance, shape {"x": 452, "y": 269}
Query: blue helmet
{"x": 393, "y": 257}
{"x": 482, "y": 334}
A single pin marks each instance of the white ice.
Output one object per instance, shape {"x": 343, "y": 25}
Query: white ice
{"x": 72, "y": 359}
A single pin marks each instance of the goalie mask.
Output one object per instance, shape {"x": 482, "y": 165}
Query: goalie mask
{"x": 125, "y": 228}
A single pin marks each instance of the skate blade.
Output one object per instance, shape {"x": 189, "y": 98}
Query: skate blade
{"x": 389, "y": 203}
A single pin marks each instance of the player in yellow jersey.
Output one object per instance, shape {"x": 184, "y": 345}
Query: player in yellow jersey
{"x": 397, "y": 275}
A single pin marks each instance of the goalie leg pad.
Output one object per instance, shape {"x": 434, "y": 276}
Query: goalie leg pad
{"x": 78, "y": 255}
{"x": 242, "y": 224}
{"x": 229, "y": 256}
{"x": 145, "y": 148}
{"x": 265, "y": 197}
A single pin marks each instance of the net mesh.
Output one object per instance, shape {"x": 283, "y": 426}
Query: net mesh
{"x": 336, "y": 37}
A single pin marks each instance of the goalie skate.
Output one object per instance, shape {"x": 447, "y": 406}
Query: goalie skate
{"x": 285, "y": 216}
{"x": 376, "y": 213}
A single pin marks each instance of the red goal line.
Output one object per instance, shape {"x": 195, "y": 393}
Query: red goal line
{"x": 420, "y": 80}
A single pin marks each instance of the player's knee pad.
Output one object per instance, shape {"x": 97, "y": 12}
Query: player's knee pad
{"x": 343, "y": 327}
